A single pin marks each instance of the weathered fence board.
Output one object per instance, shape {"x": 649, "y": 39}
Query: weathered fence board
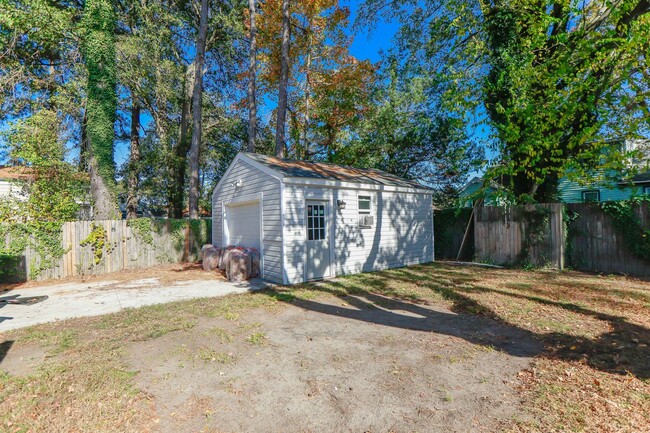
{"x": 594, "y": 243}
{"x": 539, "y": 235}
{"x": 128, "y": 245}
{"x": 515, "y": 235}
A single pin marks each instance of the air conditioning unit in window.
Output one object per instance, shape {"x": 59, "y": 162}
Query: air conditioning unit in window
{"x": 366, "y": 220}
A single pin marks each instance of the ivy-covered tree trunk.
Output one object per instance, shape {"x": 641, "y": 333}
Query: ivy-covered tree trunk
{"x": 252, "y": 73}
{"x": 197, "y": 100}
{"x": 98, "y": 48}
{"x": 284, "y": 83}
{"x": 134, "y": 163}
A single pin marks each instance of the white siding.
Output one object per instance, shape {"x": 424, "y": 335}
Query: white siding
{"x": 13, "y": 188}
{"x": 402, "y": 234}
{"x": 5, "y": 187}
{"x": 253, "y": 181}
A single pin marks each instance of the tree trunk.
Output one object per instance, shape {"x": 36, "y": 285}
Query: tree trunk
{"x": 179, "y": 157}
{"x": 197, "y": 112}
{"x": 252, "y": 72}
{"x": 101, "y": 106}
{"x": 284, "y": 82}
{"x": 134, "y": 163}
{"x": 84, "y": 149}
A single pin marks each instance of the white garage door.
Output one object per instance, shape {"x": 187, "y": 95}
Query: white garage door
{"x": 243, "y": 225}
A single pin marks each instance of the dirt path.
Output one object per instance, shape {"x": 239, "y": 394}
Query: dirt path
{"x": 336, "y": 365}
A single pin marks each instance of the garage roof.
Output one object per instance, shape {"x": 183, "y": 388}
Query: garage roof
{"x": 321, "y": 170}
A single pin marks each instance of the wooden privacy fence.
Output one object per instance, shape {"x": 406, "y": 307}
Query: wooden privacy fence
{"x": 595, "y": 244}
{"x": 529, "y": 235}
{"x": 542, "y": 235}
{"x": 98, "y": 247}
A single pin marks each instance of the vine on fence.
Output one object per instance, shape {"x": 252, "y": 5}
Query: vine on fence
{"x": 636, "y": 237}
{"x": 44, "y": 237}
{"x": 97, "y": 241}
{"x": 143, "y": 229}
{"x": 536, "y": 223}
{"x": 569, "y": 218}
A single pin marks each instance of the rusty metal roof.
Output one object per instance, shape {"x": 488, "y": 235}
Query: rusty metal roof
{"x": 321, "y": 170}
{"x": 14, "y": 173}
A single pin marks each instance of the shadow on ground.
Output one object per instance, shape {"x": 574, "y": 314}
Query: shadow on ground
{"x": 623, "y": 350}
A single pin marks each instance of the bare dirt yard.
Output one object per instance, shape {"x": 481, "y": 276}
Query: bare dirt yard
{"x": 427, "y": 348}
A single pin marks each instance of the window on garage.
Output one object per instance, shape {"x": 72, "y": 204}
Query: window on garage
{"x": 365, "y": 211}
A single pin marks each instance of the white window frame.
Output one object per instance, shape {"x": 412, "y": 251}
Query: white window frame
{"x": 646, "y": 189}
{"x": 364, "y": 212}
{"x": 591, "y": 191}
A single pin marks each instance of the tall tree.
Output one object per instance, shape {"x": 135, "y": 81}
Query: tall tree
{"x": 197, "y": 111}
{"x": 252, "y": 75}
{"x": 284, "y": 82}
{"x": 328, "y": 88}
{"x": 556, "y": 74}
{"x": 98, "y": 48}
{"x": 551, "y": 76}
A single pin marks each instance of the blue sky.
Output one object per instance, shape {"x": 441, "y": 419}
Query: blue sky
{"x": 367, "y": 45}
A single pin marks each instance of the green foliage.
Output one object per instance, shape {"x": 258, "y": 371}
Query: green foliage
{"x": 556, "y": 79}
{"x": 37, "y": 67}
{"x": 52, "y": 186}
{"x": 52, "y": 190}
{"x": 536, "y": 221}
{"x": 143, "y": 229}
{"x": 570, "y": 232}
{"x": 97, "y": 240}
{"x": 43, "y": 237}
{"x": 410, "y": 136}
{"x": 623, "y": 213}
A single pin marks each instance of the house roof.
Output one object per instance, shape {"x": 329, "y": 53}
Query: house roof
{"x": 321, "y": 170}
{"x": 14, "y": 173}
{"x": 639, "y": 178}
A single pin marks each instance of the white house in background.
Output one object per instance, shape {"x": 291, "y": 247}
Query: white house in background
{"x": 313, "y": 220}
{"x": 12, "y": 184}
{"x": 11, "y": 181}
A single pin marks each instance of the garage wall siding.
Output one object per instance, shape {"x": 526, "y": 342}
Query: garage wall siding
{"x": 253, "y": 181}
{"x": 401, "y": 235}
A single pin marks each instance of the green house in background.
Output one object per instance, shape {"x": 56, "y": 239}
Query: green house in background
{"x": 574, "y": 192}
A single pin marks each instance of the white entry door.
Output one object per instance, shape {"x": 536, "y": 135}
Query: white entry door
{"x": 318, "y": 240}
{"x": 242, "y": 225}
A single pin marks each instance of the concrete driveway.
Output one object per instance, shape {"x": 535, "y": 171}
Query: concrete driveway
{"x": 66, "y": 301}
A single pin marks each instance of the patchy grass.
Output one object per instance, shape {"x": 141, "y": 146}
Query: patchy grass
{"x": 257, "y": 339}
{"x": 223, "y": 335}
{"x": 594, "y": 374}
{"x": 207, "y": 354}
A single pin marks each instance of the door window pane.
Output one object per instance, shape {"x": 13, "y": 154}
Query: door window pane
{"x": 316, "y": 222}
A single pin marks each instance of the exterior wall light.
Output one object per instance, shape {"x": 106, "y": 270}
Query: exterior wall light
{"x": 340, "y": 204}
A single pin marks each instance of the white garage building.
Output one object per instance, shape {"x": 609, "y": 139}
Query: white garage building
{"x": 313, "y": 220}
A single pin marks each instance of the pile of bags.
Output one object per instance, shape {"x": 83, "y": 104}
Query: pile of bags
{"x": 238, "y": 263}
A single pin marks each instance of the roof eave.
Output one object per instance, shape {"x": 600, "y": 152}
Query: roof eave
{"x": 354, "y": 185}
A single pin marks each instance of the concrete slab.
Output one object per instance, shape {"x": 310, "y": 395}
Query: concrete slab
{"x": 66, "y": 301}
